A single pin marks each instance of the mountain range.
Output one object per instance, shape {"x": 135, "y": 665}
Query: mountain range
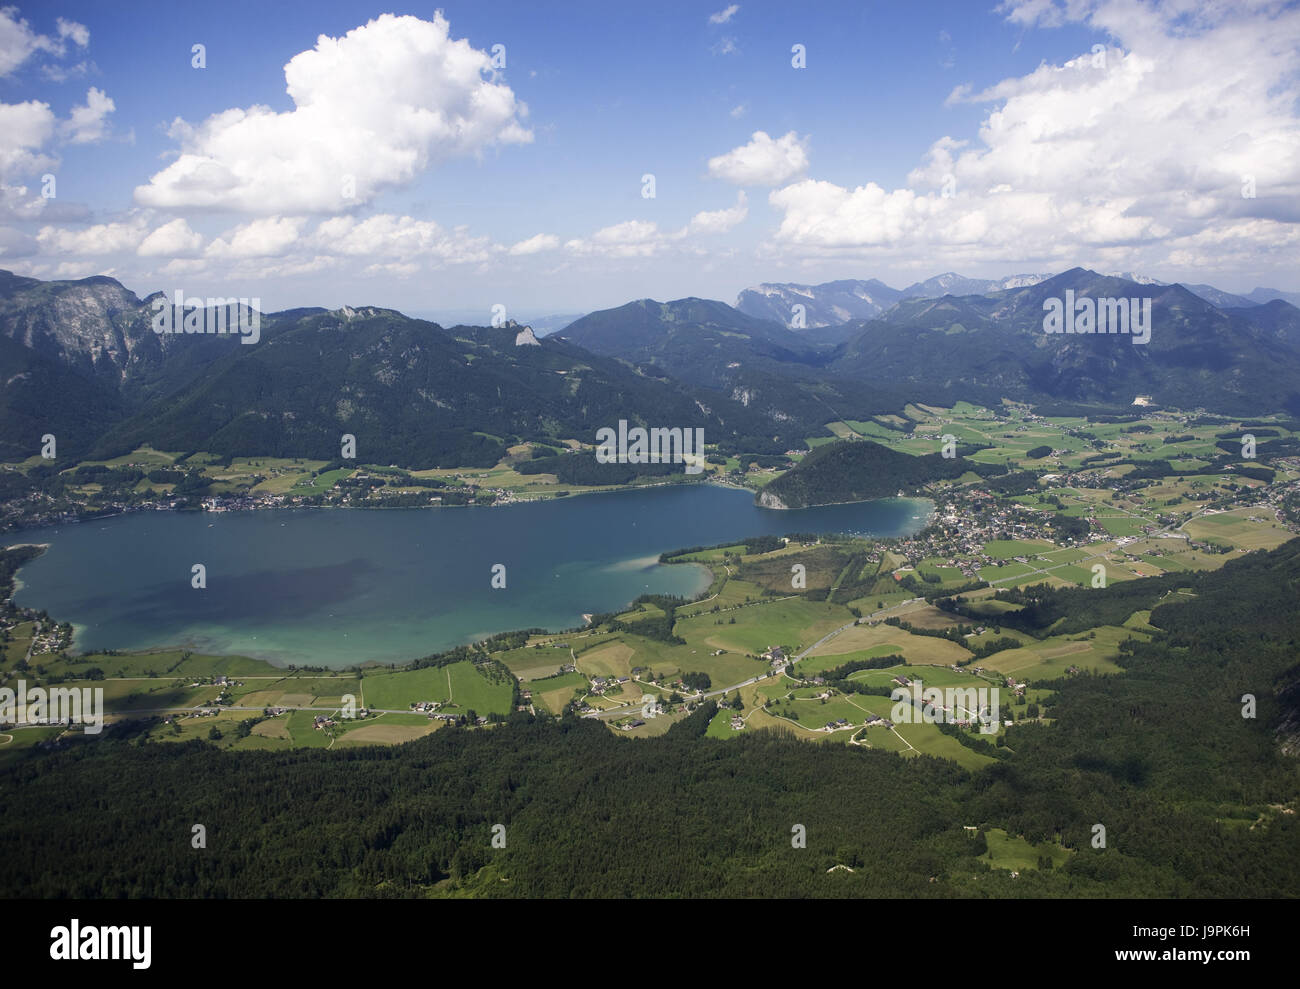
{"x": 80, "y": 360}
{"x": 828, "y": 307}
{"x": 1234, "y": 360}
{"x": 984, "y": 347}
{"x": 836, "y": 303}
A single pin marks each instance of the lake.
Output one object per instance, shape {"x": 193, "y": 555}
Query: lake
{"x": 334, "y": 587}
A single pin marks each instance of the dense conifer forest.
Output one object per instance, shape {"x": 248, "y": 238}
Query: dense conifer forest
{"x": 858, "y": 470}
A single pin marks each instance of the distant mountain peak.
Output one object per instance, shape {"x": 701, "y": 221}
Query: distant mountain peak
{"x": 360, "y": 312}
{"x": 1133, "y": 276}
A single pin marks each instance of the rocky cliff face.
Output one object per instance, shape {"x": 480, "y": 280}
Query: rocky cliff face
{"x": 94, "y": 326}
{"x": 768, "y": 500}
{"x": 102, "y": 332}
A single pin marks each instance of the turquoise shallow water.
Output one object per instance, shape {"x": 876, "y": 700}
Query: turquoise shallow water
{"x": 337, "y": 587}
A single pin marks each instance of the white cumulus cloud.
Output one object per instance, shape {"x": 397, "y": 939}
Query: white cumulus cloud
{"x": 25, "y": 129}
{"x": 171, "y": 240}
{"x": 536, "y": 244}
{"x": 372, "y": 110}
{"x": 720, "y": 220}
{"x": 270, "y": 236}
{"x": 89, "y": 122}
{"x": 1134, "y": 154}
{"x": 399, "y": 238}
{"x": 763, "y": 161}
{"x": 629, "y": 239}
{"x": 78, "y": 33}
{"x": 18, "y": 42}
{"x": 116, "y": 237}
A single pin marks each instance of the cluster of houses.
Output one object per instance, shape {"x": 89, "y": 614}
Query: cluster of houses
{"x": 234, "y": 503}
{"x": 958, "y": 533}
{"x": 49, "y": 637}
{"x": 872, "y": 721}
{"x": 322, "y": 721}
{"x": 601, "y": 684}
{"x": 217, "y": 681}
{"x": 775, "y": 656}
{"x": 432, "y": 709}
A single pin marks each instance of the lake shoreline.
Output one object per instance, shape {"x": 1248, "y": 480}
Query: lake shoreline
{"x": 260, "y": 506}
{"x": 329, "y": 671}
{"x": 310, "y": 589}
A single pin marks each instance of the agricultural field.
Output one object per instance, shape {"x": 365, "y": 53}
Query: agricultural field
{"x": 813, "y": 665}
{"x": 1047, "y": 659}
{"x": 296, "y": 691}
{"x": 918, "y": 649}
{"x": 533, "y": 662}
{"x": 794, "y": 622}
{"x": 14, "y": 742}
{"x": 1243, "y": 529}
{"x": 1009, "y": 549}
{"x": 20, "y": 637}
{"x": 388, "y": 729}
{"x": 929, "y": 676}
{"x": 720, "y": 726}
{"x": 733, "y": 594}
{"x": 905, "y": 739}
{"x": 1018, "y": 855}
{"x": 555, "y": 692}
{"x": 610, "y": 659}
{"x": 460, "y": 684}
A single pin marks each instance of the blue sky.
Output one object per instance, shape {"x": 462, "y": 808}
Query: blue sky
{"x": 1053, "y": 159}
